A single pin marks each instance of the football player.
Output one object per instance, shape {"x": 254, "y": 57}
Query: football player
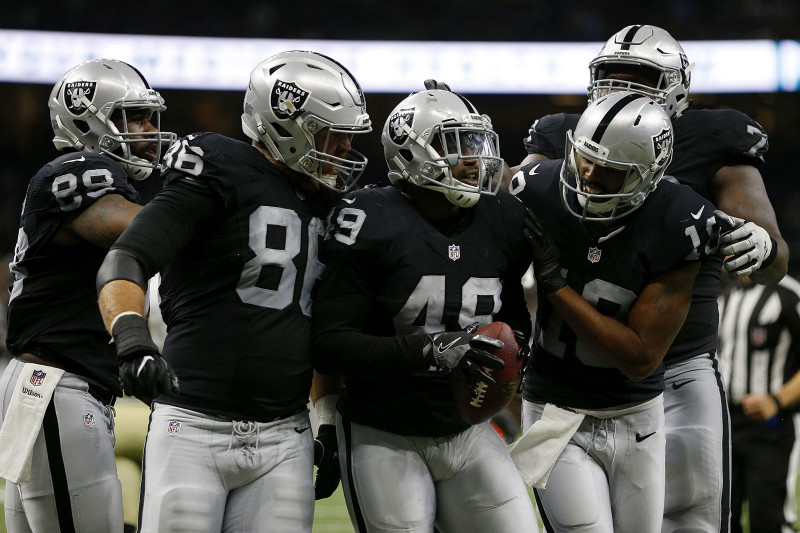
{"x": 717, "y": 153}
{"x": 234, "y": 233}
{"x": 616, "y": 253}
{"x": 413, "y": 268}
{"x": 62, "y": 475}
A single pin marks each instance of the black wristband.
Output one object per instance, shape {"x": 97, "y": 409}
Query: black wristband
{"x": 132, "y": 337}
{"x": 772, "y": 254}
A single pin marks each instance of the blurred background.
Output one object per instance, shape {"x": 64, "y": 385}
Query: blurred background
{"x": 26, "y": 132}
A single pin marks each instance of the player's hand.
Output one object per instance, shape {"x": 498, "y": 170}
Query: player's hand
{"x": 749, "y": 244}
{"x": 524, "y": 353}
{"x": 142, "y": 371}
{"x": 433, "y": 84}
{"x": 326, "y": 459}
{"x": 546, "y": 262}
{"x": 464, "y": 353}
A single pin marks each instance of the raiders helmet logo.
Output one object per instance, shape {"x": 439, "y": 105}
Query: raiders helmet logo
{"x": 78, "y": 95}
{"x": 397, "y": 125}
{"x": 287, "y": 99}
{"x": 661, "y": 143}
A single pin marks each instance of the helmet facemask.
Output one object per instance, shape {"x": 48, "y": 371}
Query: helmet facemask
{"x": 333, "y": 171}
{"x": 122, "y": 145}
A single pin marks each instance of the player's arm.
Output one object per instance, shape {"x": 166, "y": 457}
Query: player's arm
{"x": 636, "y": 348}
{"x": 156, "y": 235}
{"x": 341, "y": 309}
{"x": 740, "y": 192}
{"x": 100, "y": 224}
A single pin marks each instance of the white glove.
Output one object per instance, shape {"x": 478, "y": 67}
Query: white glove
{"x": 750, "y": 245}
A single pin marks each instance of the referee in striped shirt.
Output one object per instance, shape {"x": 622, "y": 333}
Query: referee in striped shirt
{"x": 759, "y": 353}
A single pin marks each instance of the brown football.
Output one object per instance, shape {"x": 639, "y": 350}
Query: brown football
{"x": 491, "y": 399}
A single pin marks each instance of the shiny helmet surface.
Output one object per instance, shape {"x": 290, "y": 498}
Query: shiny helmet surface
{"x": 650, "y": 52}
{"x": 86, "y": 100}
{"x": 625, "y": 131}
{"x": 294, "y": 95}
{"x": 431, "y": 131}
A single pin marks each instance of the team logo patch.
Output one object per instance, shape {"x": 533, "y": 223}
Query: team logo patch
{"x": 662, "y": 143}
{"x": 287, "y": 99}
{"x": 454, "y": 252}
{"x": 594, "y": 254}
{"x": 37, "y": 378}
{"x": 398, "y": 123}
{"x": 173, "y": 427}
{"x": 74, "y": 94}
{"x": 88, "y": 420}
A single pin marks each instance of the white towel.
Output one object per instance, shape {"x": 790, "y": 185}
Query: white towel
{"x": 536, "y": 452}
{"x": 23, "y": 420}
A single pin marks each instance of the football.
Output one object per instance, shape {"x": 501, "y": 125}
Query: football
{"x": 491, "y": 399}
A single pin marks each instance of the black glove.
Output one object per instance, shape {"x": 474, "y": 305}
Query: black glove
{"x": 524, "y": 353}
{"x": 142, "y": 370}
{"x": 463, "y": 353}
{"x": 546, "y": 265}
{"x": 326, "y": 459}
{"x": 433, "y": 84}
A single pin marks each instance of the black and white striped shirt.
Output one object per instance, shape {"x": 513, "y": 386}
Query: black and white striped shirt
{"x": 759, "y": 337}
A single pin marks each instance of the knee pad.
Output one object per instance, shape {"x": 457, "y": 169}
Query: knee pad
{"x": 693, "y": 468}
{"x": 188, "y": 509}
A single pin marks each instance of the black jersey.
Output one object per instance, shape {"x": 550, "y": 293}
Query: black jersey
{"x": 53, "y": 310}
{"x": 609, "y": 264}
{"x": 237, "y": 298}
{"x": 393, "y": 277}
{"x": 705, "y": 141}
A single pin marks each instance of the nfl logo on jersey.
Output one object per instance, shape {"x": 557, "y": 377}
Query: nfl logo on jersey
{"x": 594, "y": 254}
{"x": 37, "y": 378}
{"x": 88, "y": 420}
{"x": 174, "y": 427}
{"x": 454, "y": 252}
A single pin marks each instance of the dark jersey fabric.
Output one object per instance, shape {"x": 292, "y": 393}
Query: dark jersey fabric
{"x": 609, "y": 264}
{"x": 53, "y": 310}
{"x": 236, "y": 296}
{"x": 393, "y": 277}
{"x": 705, "y": 141}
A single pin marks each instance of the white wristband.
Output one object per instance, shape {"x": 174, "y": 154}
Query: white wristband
{"x": 326, "y": 409}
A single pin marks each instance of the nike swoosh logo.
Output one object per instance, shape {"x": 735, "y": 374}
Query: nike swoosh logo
{"x": 677, "y": 385}
{"x": 301, "y": 430}
{"x": 532, "y": 172}
{"x": 81, "y": 158}
{"x": 640, "y": 438}
{"x": 442, "y": 347}
{"x": 697, "y": 216}
{"x": 349, "y": 200}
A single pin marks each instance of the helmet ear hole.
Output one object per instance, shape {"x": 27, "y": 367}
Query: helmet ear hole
{"x": 82, "y": 126}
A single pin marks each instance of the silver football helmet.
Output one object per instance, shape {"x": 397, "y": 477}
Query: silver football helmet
{"x": 294, "y": 95}
{"x": 652, "y": 50}
{"x": 82, "y": 105}
{"x": 429, "y": 132}
{"x": 623, "y": 130}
